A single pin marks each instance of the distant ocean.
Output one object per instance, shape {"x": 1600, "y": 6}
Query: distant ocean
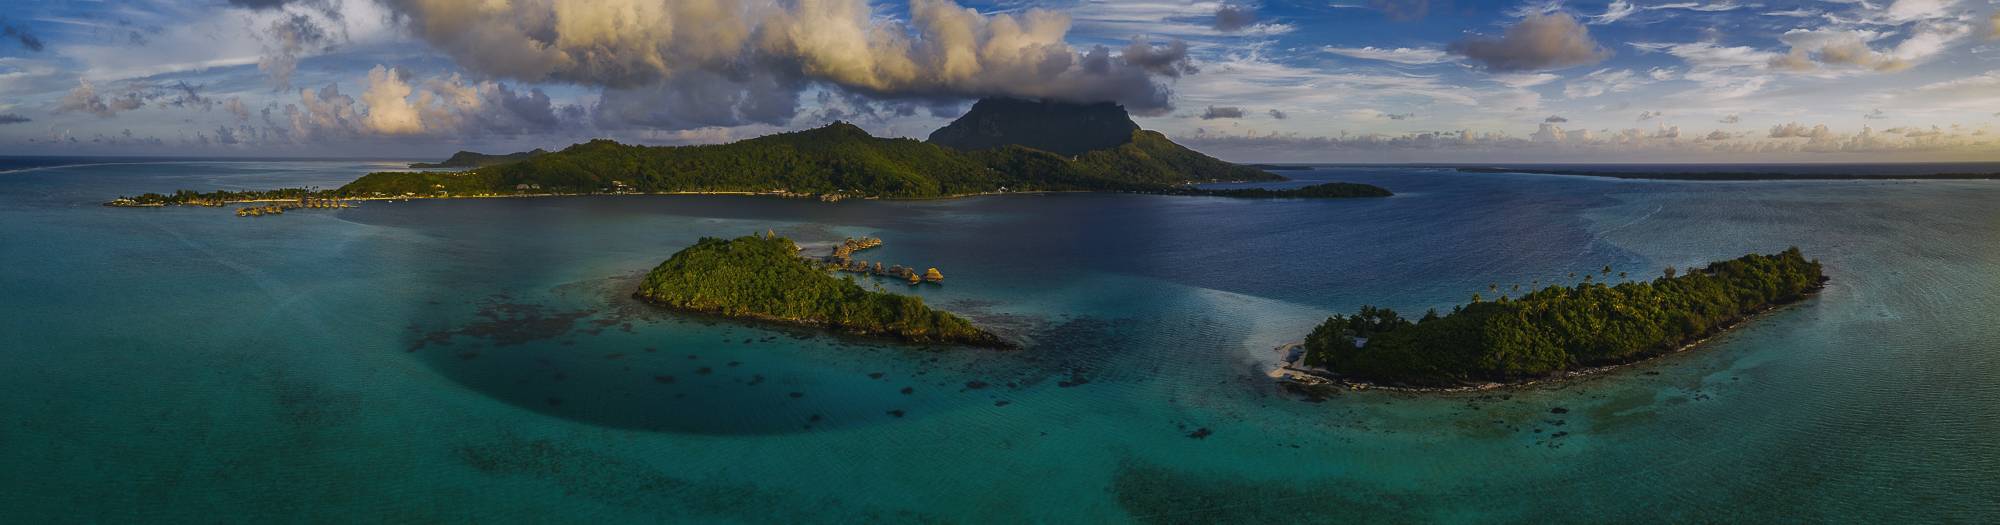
{"x": 481, "y": 360}
{"x": 1905, "y": 168}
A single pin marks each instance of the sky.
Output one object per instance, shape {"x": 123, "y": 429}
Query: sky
{"x": 1699, "y": 81}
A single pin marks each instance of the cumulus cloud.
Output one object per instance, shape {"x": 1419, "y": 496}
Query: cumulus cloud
{"x": 1650, "y": 115}
{"x": 1226, "y": 112}
{"x": 1732, "y": 118}
{"x": 1280, "y": 115}
{"x": 1796, "y": 130}
{"x": 1399, "y": 116}
{"x": 1549, "y": 132}
{"x": 235, "y": 107}
{"x": 390, "y": 111}
{"x": 1718, "y": 135}
{"x": 84, "y": 98}
{"x": 1877, "y": 114}
{"x": 1555, "y": 119}
{"x": 321, "y": 114}
{"x": 395, "y": 104}
{"x": 1233, "y": 17}
{"x": 1540, "y": 41}
{"x": 1170, "y": 60}
{"x": 636, "y": 47}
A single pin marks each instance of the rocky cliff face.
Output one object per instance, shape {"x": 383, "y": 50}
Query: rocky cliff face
{"x": 1058, "y": 127}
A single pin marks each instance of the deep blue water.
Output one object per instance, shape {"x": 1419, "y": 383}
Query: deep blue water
{"x": 479, "y": 360}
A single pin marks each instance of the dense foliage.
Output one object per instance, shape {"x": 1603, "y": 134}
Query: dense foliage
{"x": 473, "y": 159}
{"x": 1150, "y": 158}
{"x": 1057, "y": 127}
{"x": 1558, "y": 328}
{"x": 841, "y": 160}
{"x": 764, "y": 278}
{"x": 216, "y": 198}
{"x": 837, "y": 159}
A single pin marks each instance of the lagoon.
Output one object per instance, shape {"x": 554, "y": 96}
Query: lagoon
{"x": 481, "y": 360}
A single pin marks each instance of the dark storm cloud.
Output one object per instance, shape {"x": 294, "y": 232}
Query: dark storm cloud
{"x": 21, "y": 35}
{"x": 285, "y": 40}
{"x": 1538, "y": 42}
{"x": 1226, "y": 112}
{"x": 1232, "y": 17}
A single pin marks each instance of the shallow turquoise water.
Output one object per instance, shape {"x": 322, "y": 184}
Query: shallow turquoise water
{"x": 479, "y": 360}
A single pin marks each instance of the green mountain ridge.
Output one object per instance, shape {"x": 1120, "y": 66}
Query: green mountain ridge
{"x": 1056, "y": 127}
{"x": 838, "y": 159}
{"x": 474, "y": 159}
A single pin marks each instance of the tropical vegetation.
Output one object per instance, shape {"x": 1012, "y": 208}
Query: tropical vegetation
{"x": 763, "y": 277}
{"x": 1559, "y": 328}
{"x": 474, "y": 159}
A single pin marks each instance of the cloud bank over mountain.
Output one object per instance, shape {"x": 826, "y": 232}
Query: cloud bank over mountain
{"x": 727, "y": 62}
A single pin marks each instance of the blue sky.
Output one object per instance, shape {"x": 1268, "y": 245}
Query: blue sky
{"x": 1331, "y": 80}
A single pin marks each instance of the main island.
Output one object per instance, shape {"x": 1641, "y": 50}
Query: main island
{"x": 999, "y": 146}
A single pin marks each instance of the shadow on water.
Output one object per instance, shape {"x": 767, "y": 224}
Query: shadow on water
{"x": 625, "y": 364}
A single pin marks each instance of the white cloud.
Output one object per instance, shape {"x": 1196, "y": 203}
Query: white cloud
{"x": 1400, "y": 55}
{"x": 389, "y": 109}
{"x": 1521, "y": 80}
{"x": 1602, "y": 81}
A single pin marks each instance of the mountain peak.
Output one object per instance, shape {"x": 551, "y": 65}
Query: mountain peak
{"x": 1065, "y": 128}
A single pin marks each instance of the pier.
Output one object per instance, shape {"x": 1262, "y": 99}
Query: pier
{"x": 842, "y": 259}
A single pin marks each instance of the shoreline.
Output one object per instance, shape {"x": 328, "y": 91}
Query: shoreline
{"x": 1296, "y": 373}
{"x": 993, "y": 341}
{"x": 835, "y": 197}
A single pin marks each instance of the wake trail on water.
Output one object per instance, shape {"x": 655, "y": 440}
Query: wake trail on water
{"x": 62, "y": 166}
{"x": 280, "y": 294}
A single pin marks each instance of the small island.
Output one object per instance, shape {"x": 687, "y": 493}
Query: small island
{"x": 1557, "y": 330}
{"x": 765, "y": 278}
